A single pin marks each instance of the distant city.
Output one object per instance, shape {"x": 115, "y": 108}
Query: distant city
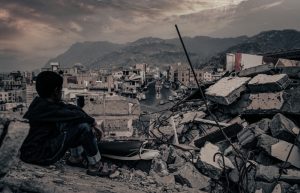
{"x": 17, "y": 89}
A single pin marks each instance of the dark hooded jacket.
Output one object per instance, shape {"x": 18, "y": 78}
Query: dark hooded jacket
{"x": 44, "y": 117}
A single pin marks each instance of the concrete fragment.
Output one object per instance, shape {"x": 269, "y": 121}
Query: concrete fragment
{"x": 265, "y": 103}
{"x": 209, "y": 122}
{"x": 281, "y": 150}
{"x": 281, "y": 188}
{"x": 248, "y": 136}
{"x": 285, "y": 102}
{"x": 264, "y": 68}
{"x": 168, "y": 181}
{"x": 268, "y": 83}
{"x": 215, "y": 135}
{"x": 264, "y": 158}
{"x": 266, "y": 173}
{"x": 190, "y": 176}
{"x": 283, "y": 128}
{"x": 190, "y": 116}
{"x": 291, "y": 176}
{"x": 226, "y": 90}
{"x": 207, "y": 165}
{"x": 159, "y": 166}
{"x": 265, "y": 142}
{"x": 16, "y": 133}
{"x": 264, "y": 187}
{"x": 264, "y": 124}
{"x": 259, "y": 191}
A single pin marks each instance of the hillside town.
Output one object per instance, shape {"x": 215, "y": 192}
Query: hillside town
{"x": 237, "y": 132}
{"x": 18, "y": 88}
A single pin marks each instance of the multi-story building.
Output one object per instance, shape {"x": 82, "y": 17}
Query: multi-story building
{"x": 183, "y": 75}
{"x": 12, "y": 96}
{"x": 31, "y": 93}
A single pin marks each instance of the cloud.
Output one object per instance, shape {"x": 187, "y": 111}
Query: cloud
{"x": 254, "y": 16}
{"x": 44, "y": 29}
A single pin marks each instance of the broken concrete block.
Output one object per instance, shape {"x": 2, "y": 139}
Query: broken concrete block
{"x": 248, "y": 136}
{"x": 190, "y": 176}
{"x": 266, "y": 173}
{"x": 281, "y": 149}
{"x": 264, "y": 124}
{"x": 268, "y": 83}
{"x": 227, "y": 90}
{"x": 282, "y": 187}
{"x": 159, "y": 166}
{"x": 265, "y": 142}
{"x": 190, "y": 116}
{"x": 168, "y": 181}
{"x": 264, "y": 187}
{"x": 16, "y": 133}
{"x": 207, "y": 165}
{"x": 265, "y": 103}
{"x": 265, "y": 68}
{"x": 291, "y": 176}
{"x": 283, "y": 128}
{"x": 286, "y": 101}
{"x": 264, "y": 158}
{"x": 215, "y": 135}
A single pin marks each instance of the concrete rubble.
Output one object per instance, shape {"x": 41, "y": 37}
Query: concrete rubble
{"x": 227, "y": 90}
{"x": 245, "y": 139}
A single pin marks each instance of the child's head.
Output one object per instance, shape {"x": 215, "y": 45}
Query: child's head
{"x": 49, "y": 85}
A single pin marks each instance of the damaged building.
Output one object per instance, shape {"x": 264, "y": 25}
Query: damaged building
{"x": 239, "y": 135}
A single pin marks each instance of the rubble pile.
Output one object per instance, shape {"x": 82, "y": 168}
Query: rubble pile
{"x": 243, "y": 138}
{"x": 246, "y": 141}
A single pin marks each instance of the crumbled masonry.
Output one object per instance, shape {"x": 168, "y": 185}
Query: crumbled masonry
{"x": 258, "y": 112}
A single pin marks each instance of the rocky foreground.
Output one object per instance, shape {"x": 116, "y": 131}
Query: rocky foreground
{"x": 243, "y": 139}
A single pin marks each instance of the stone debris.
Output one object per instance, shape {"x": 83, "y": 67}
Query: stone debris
{"x": 268, "y": 83}
{"x": 260, "y": 69}
{"x": 245, "y": 139}
{"x": 190, "y": 176}
{"x": 16, "y": 133}
{"x": 210, "y": 161}
{"x": 283, "y": 128}
{"x": 282, "y": 149}
{"x": 227, "y": 90}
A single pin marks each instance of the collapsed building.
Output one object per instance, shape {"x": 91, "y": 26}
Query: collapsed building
{"x": 240, "y": 135}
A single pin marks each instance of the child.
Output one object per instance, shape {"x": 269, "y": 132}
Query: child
{"x": 56, "y": 127}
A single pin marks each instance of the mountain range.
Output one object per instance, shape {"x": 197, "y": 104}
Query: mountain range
{"x": 204, "y": 51}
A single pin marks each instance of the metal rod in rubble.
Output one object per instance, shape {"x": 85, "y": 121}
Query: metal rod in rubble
{"x": 205, "y": 100}
{"x": 187, "y": 56}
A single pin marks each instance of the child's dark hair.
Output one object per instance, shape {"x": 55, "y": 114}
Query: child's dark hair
{"x": 47, "y": 82}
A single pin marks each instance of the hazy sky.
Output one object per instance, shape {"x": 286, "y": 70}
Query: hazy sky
{"x": 33, "y": 31}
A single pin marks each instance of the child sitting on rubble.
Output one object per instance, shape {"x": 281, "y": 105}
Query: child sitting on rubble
{"x": 56, "y": 127}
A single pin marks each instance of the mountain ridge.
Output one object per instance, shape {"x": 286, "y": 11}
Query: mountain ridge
{"x": 204, "y": 51}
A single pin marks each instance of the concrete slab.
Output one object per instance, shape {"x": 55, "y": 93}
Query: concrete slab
{"x": 190, "y": 116}
{"x": 209, "y": 166}
{"x": 271, "y": 102}
{"x": 265, "y": 68}
{"x": 190, "y": 176}
{"x": 268, "y": 83}
{"x": 227, "y": 90}
{"x": 266, "y": 173}
{"x": 214, "y": 135}
{"x": 283, "y": 128}
{"x": 281, "y": 149}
